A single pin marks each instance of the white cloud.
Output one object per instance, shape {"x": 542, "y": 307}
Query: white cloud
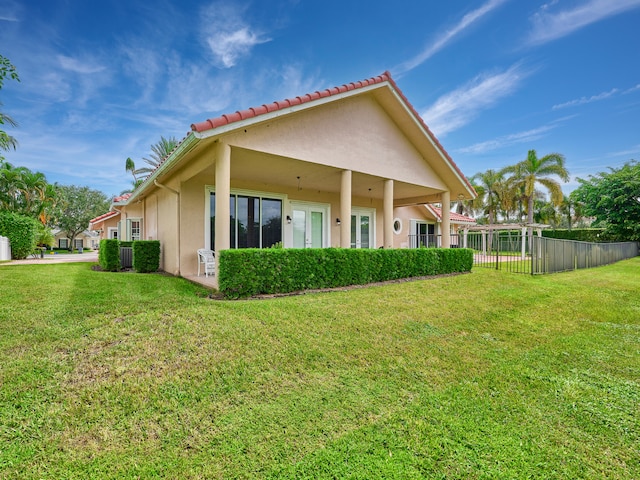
{"x": 440, "y": 42}
{"x": 228, "y": 35}
{"x": 632, "y": 89}
{"x": 77, "y": 66}
{"x": 548, "y": 26}
{"x": 583, "y": 100}
{"x": 506, "y": 140}
{"x": 459, "y": 107}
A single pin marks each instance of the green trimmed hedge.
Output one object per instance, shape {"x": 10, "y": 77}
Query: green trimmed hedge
{"x": 580, "y": 234}
{"x": 246, "y": 272}
{"x": 109, "y": 255}
{"x": 146, "y": 256}
{"x": 21, "y": 231}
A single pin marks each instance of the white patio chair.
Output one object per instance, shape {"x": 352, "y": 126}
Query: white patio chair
{"x": 208, "y": 259}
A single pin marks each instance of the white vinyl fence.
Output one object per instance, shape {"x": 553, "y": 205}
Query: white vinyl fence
{"x": 5, "y": 249}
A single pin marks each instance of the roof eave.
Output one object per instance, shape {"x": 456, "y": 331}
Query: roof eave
{"x": 189, "y": 142}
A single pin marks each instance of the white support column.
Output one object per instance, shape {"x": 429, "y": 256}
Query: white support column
{"x": 387, "y": 214}
{"x": 345, "y": 209}
{"x": 523, "y": 246}
{"x": 223, "y": 193}
{"x": 446, "y": 219}
{"x": 465, "y": 238}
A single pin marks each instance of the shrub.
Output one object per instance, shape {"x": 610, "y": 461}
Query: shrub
{"x": 247, "y": 272}
{"x": 109, "y": 255}
{"x": 581, "y": 235}
{"x": 146, "y": 256}
{"x": 21, "y": 231}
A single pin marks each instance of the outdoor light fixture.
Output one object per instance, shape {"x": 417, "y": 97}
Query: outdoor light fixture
{"x": 288, "y": 219}
{"x": 337, "y": 221}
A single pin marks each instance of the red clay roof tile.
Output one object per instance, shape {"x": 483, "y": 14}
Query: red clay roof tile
{"x": 228, "y": 118}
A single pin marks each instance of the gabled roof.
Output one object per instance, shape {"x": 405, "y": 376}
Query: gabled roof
{"x": 453, "y": 216}
{"x": 103, "y": 217}
{"x": 253, "y": 112}
{"x": 228, "y": 121}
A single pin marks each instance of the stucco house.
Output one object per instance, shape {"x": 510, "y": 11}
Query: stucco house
{"x": 86, "y": 240}
{"x": 350, "y": 166}
{"x": 108, "y": 224}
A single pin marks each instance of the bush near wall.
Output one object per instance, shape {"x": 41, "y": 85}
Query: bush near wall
{"x": 21, "y": 231}
{"x": 146, "y": 256}
{"x": 246, "y": 272}
{"x": 109, "y": 255}
{"x": 581, "y": 235}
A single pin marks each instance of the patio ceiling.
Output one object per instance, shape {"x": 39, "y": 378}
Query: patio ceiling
{"x": 273, "y": 170}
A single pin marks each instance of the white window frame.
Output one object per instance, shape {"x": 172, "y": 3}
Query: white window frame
{"x": 130, "y": 222}
{"x": 325, "y": 208}
{"x": 371, "y": 213}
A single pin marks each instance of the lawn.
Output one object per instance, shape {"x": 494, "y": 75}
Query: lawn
{"x": 482, "y": 375}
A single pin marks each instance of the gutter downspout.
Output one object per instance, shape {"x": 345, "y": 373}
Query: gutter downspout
{"x": 159, "y": 185}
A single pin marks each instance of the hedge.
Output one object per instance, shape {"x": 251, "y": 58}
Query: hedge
{"x": 581, "y": 235}
{"x": 146, "y": 256}
{"x": 109, "y": 255}
{"x": 21, "y": 231}
{"x": 246, "y": 272}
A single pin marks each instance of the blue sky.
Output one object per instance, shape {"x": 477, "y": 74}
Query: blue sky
{"x": 102, "y": 81}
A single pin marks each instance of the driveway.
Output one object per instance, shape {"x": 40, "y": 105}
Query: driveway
{"x": 58, "y": 258}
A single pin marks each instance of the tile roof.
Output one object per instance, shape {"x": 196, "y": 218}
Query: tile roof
{"x": 453, "y": 216}
{"x": 122, "y": 198}
{"x": 289, "y": 102}
{"x": 253, "y": 112}
{"x": 103, "y": 217}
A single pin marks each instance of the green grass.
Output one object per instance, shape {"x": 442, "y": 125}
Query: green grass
{"x": 483, "y": 375}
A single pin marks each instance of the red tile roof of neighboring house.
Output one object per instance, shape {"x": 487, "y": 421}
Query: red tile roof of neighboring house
{"x": 453, "y": 216}
{"x": 122, "y": 198}
{"x": 103, "y": 217}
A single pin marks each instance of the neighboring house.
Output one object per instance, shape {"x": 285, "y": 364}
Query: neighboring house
{"x": 337, "y": 167}
{"x": 108, "y": 225}
{"x": 86, "y": 240}
{"x": 424, "y": 227}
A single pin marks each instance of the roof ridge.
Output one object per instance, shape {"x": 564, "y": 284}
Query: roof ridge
{"x": 252, "y": 112}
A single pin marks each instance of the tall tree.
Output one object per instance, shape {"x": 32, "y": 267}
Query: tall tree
{"x": 533, "y": 171}
{"x": 571, "y": 211}
{"x": 161, "y": 150}
{"x": 613, "y": 198}
{"x": 7, "y": 70}
{"x": 490, "y": 188}
{"x": 77, "y": 206}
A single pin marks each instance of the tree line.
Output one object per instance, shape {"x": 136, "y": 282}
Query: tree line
{"x": 30, "y": 206}
{"x": 608, "y": 200}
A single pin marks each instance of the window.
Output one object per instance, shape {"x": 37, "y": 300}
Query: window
{"x": 256, "y": 221}
{"x": 135, "y": 230}
{"x": 63, "y": 243}
{"x": 397, "y": 226}
{"x": 78, "y": 244}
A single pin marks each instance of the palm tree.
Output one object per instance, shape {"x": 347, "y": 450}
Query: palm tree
{"x": 532, "y": 171}
{"x": 571, "y": 210}
{"x": 159, "y": 152}
{"x": 7, "y": 142}
{"x": 490, "y": 187}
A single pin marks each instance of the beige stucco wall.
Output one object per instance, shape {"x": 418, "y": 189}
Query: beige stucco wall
{"x": 314, "y": 146}
{"x": 354, "y": 134}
